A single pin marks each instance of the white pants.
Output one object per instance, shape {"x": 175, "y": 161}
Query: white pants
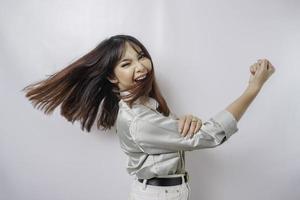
{"x": 141, "y": 191}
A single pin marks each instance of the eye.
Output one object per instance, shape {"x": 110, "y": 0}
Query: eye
{"x": 140, "y": 55}
{"x": 125, "y": 64}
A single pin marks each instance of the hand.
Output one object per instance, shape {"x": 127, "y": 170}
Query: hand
{"x": 260, "y": 72}
{"x": 186, "y": 125}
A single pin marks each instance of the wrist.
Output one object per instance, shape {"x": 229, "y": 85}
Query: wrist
{"x": 253, "y": 89}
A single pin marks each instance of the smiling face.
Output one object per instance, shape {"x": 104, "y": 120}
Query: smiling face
{"x": 132, "y": 65}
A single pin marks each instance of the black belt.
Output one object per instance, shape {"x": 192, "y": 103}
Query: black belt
{"x": 165, "y": 181}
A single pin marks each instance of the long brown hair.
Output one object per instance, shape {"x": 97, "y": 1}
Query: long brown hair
{"x": 83, "y": 90}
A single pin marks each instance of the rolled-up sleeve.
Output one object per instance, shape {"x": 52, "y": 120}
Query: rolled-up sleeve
{"x": 155, "y": 134}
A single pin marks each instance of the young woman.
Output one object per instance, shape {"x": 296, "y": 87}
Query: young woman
{"x": 115, "y": 84}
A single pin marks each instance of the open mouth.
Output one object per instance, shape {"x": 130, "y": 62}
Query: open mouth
{"x": 141, "y": 79}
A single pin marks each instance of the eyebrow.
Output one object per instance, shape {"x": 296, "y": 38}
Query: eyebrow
{"x": 127, "y": 59}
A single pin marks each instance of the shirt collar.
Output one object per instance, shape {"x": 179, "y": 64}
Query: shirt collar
{"x": 151, "y": 103}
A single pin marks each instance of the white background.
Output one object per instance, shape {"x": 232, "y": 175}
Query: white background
{"x": 201, "y": 51}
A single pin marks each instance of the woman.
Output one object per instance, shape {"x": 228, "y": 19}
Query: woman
{"x": 117, "y": 79}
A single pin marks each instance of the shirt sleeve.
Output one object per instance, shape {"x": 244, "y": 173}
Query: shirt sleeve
{"x": 173, "y": 116}
{"x": 156, "y": 134}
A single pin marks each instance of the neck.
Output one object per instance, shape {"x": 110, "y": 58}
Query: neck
{"x": 142, "y": 99}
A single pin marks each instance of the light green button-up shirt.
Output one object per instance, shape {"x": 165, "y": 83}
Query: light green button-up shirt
{"x": 153, "y": 143}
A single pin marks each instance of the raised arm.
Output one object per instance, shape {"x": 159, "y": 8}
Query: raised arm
{"x": 154, "y": 133}
{"x": 240, "y": 105}
{"x": 260, "y": 72}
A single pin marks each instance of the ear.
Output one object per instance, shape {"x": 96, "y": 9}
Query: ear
{"x": 112, "y": 80}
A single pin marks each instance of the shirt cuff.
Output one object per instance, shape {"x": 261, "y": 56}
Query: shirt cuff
{"x": 227, "y": 122}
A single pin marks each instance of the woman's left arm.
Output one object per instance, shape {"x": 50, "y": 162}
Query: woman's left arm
{"x": 185, "y": 124}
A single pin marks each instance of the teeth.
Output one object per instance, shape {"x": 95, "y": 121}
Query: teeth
{"x": 140, "y": 78}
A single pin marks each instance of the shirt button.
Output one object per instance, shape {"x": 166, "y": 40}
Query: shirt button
{"x": 166, "y": 191}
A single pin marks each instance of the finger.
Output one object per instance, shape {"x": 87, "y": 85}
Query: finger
{"x": 252, "y": 69}
{"x": 181, "y": 123}
{"x": 192, "y": 128}
{"x": 268, "y": 64}
{"x": 271, "y": 70}
{"x": 260, "y": 68}
{"x": 186, "y": 126}
{"x": 266, "y": 60}
{"x": 259, "y": 62}
{"x": 198, "y": 126}
{"x": 271, "y": 67}
{"x": 265, "y": 64}
{"x": 256, "y": 67}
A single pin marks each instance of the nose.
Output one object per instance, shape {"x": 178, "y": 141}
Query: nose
{"x": 140, "y": 68}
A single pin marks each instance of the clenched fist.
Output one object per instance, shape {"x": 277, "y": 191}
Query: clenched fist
{"x": 260, "y": 72}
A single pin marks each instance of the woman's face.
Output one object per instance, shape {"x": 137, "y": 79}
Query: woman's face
{"x": 131, "y": 66}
